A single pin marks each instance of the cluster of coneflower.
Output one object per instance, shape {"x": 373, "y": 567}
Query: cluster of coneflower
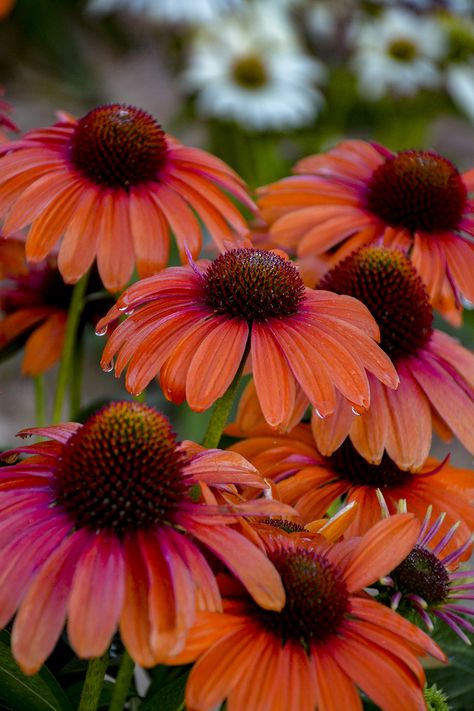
{"x": 323, "y": 292}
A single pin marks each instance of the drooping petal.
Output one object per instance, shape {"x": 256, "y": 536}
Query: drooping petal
{"x": 275, "y": 389}
{"x": 336, "y": 691}
{"x": 42, "y": 613}
{"x": 135, "y": 625}
{"x": 216, "y": 362}
{"x": 96, "y": 597}
{"x": 247, "y": 562}
{"x": 382, "y": 676}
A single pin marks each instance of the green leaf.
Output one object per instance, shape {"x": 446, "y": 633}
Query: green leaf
{"x": 456, "y": 678}
{"x": 24, "y": 693}
{"x": 170, "y": 697}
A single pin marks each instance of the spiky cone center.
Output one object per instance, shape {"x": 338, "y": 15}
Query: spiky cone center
{"x": 350, "y": 466}
{"x": 283, "y": 524}
{"x": 388, "y": 284}
{"x": 121, "y": 470}
{"x": 316, "y": 598}
{"x": 118, "y": 146}
{"x": 417, "y": 190}
{"x": 422, "y": 574}
{"x": 249, "y": 72}
{"x": 253, "y": 284}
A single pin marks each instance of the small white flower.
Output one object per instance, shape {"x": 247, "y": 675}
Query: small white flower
{"x": 460, "y": 84}
{"x": 397, "y": 52}
{"x": 172, "y": 11}
{"x": 250, "y": 68}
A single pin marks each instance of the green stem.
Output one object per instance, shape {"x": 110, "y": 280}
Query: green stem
{"x": 75, "y": 310}
{"x": 122, "y": 685}
{"x": 93, "y": 683}
{"x": 75, "y": 384}
{"x": 40, "y": 401}
{"x": 223, "y": 407}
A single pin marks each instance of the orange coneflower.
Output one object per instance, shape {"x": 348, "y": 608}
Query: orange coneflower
{"x": 323, "y": 644}
{"x": 358, "y": 191}
{"x": 34, "y": 300}
{"x": 310, "y": 482}
{"x": 193, "y": 325}
{"x": 101, "y": 524}
{"x": 114, "y": 184}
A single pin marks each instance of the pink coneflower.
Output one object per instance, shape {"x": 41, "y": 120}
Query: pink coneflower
{"x": 114, "y": 185}
{"x": 194, "y": 325}
{"x": 357, "y": 192}
{"x": 430, "y": 582}
{"x": 326, "y": 642}
{"x": 101, "y": 525}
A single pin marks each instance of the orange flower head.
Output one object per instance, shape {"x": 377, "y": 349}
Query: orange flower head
{"x": 253, "y": 284}
{"x": 326, "y": 640}
{"x": 359, "y": 192}
{"x": 436, "y": 372}
{"x": 385, "y": 281}
{"x": 317, "y": 599}
{"x": 101, "y": 524}
{"x": 114, "y": 185}
{"x": 101, "y": 485}
{"x": 417, "y": 190}
{"x": 303, "y": 478}
{"x": 194, "y": 325}
{"x": 118, "y": 146}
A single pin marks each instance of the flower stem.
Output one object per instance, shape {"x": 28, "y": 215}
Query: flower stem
{"x": 223, "y": 407}
{"x": 75, "y": 384}
{"x": 93, "y": 683}
{"x": 122, "y": 685}
{"x": 75, "y": 310}
{"x": 40, "y": 401}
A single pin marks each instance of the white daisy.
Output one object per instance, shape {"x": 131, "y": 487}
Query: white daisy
{"x": 250, "y": 68}
{"x": 397, "y": 52}
{"x": 172, "y": 11}
{"x": 460, "y": 84}
{"x": 460, "y": 64}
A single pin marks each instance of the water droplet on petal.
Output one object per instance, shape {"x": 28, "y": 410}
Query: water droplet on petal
{"x": 356, "y": 411}
{"x": 129, "y": 312}
{"x": 101, "y": 331}
{"x": 319, "y": 414}
{"x": 122, "y": 308}
{"x": 107, "y": 367}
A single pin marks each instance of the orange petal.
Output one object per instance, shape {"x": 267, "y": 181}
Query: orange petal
{"x": 336, "y": 691}
{"x": 381, "y": 549}
{"x": 115, "y": 256}
{"x": 44, "y": 347}
{"x": 274, "y": 382}
{"x": 150, "y": 231}
{"x": 96, "y": 596}
{"x": 216, "y": 362}
{"x": 246, "y": 561}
